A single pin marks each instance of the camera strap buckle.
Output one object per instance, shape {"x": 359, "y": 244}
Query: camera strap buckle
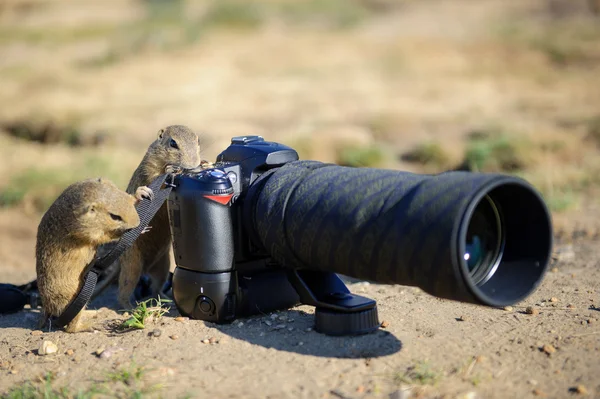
{"x": 170, "y": 180}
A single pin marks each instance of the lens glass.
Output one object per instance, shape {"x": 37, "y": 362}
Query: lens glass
{"x": 484, "y": 241}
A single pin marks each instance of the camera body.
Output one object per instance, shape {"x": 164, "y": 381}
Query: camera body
{"x": 222, "y": 272}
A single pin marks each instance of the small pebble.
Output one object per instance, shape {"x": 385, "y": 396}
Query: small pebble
{"x": 385, "y": 324}
{"x": 591, "y": 321}
{"x": 300, "y": 343}
{"x": 213, "y": 340}
{"x": 309, "y": 329}
{"x": 470, "y": 395}
{"x": 267, "y": 322}
{"x": 37, "y": 332}
{"x": 581, "y": 390}
{"x": 360, "y": 389}
{"x": 570, "y": 306}
{"x": 107, "y": 353}
{"x": 14, "y": 371}
{"x": 273, "y": 316}
{"x": 180, "y": 318}
{"x": 156, "y": 332}
{"x": 126, "y": 315}
{"x": 47, "y": 348}
{"x": 282, "y": 318}
{"x": 554, "y": 299}
{"x": 508, "y": 308}
{"x": 538, "y": 392}
{"x": 99, "y": 351}
{"x": 531, "y": 310}
{"x": 548, "y": 349}
{"x": 240, "y": 324}
{"x": 69, "y": 352}
{"x": 480, "y": 359}
{"x": 555, "y": 270}
{"x": 174, "y": 337}
{"x": 290, "y": 329}
{"x": 205, "y": 341}
{"x": 463, "y": 318}
{"x": 279, "y": 327}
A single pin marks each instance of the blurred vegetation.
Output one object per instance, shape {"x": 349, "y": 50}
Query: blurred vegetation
{"x": 495, "y": 151}
{"x": 37, "y": 187}
{"x": 566, "y": 39}
{"x": 561, "y": 37}
{"x": 50, "y": 132}
{"x": 427, "y": 154}
{"x": 543, "y": 162}
{"x": 359, "y": 156}
{"x": 593, "y": 130}
{"x": 419, "y": 374}
{"x": 169, "y": 24}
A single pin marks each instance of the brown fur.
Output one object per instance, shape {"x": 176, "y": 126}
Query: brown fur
{"x": 86, "y": 215}
{"x": 150, "y": 252}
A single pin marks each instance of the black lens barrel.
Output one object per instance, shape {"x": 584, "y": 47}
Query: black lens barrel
{"x": 403, "y": 228}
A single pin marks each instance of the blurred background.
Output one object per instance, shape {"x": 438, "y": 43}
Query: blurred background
{"x": 417, "y": 85}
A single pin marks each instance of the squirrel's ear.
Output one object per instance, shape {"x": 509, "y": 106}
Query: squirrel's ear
{"x": 91, "y": 208}
{"x": 160, "y": 133}
{"x": 86, "y": 209}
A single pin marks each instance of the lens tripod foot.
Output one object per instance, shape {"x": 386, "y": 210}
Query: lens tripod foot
{"x": 331, "y": 322}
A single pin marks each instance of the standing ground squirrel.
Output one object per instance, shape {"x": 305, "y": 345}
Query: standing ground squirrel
{"x": 177, "y": 147}
{"x": 86, "y": 215}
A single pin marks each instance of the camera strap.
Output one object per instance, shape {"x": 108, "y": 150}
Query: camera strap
{"x": 146, "y": 209}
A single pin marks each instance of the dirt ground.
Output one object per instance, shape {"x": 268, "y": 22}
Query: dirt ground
{"x": 429, "y": 348}
{"x": 410, "y": 73}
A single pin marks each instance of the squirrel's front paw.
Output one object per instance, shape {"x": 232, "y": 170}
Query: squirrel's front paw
{"x": 172, "y": 169}
{"x": 144, "y": 192}
{"x": 204, "y": 164}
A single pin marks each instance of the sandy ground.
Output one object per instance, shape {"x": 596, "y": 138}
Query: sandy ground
{"x": 459, "y": 350}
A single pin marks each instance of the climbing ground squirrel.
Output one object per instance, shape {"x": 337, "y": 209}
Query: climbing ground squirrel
{"x": 177, "y": 147}
{"x": 86, "y": 215}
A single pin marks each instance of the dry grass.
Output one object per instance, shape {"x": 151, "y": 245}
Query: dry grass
{"x": 363, "y": 83}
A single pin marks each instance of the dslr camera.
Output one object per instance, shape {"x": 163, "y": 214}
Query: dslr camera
{"x": 262, "y": 231}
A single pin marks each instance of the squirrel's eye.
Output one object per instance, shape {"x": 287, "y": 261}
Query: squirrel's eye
{"x": 173, "y": 144}
{"x": 115, "y": 217}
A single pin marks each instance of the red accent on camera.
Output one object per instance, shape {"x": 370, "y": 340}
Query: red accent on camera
{"x": 221, "y": 199}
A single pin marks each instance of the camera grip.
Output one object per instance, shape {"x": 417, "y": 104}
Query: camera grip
{"x": 204, "y": 282}
{"x": 201, "y": 222}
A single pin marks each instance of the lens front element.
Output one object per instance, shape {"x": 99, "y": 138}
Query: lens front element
{"x": 484, "y": 241}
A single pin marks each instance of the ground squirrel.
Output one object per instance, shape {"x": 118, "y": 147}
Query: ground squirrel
{"x": 86, "y": 215}
{"x": 177, "y": 147}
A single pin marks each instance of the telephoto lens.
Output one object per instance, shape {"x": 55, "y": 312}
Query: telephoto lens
{"x": 471, "y": 237}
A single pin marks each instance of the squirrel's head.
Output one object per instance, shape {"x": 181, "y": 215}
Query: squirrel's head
{"x": 179, "y": 146}
{"x": 102, "y": 211}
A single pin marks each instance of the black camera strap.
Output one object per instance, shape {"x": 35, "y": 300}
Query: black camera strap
{"x": 146, "y": 209}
